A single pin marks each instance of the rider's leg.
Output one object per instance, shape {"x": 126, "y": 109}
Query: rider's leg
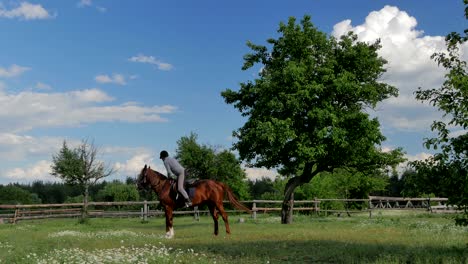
{"x": 180, "y": 188}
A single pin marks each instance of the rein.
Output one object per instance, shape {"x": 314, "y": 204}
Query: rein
{"x": 160, "y": 181}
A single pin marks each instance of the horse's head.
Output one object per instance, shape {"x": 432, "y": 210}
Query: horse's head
{"x": 142, "y": 180}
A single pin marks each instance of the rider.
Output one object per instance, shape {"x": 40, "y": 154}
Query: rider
{"x": 173, "y": 167}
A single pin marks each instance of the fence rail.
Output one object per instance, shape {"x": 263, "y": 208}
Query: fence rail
{"x": 14, "y": 213}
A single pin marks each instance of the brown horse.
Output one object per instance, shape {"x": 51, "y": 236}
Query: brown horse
{"x": 206, "y": 192}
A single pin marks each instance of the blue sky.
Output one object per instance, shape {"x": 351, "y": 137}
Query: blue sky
{"x": 136, "y": 76}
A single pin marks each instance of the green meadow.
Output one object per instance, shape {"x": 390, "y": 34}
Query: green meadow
{"x": 389, "y": 237}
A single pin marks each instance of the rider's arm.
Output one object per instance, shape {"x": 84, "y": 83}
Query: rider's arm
{"x": 170, "y": 174}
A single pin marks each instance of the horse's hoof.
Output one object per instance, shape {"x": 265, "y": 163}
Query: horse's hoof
{"x": 170, "y": 233}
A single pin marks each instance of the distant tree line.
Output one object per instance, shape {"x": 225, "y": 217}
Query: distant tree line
{"x": 340, "y": 184}
{"x": 40, "y": 192}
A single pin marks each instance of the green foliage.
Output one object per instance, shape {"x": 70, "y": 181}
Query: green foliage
{"x": 57, "y": 192}
{"x": 205, "y": 162}
{"x": 354, "y": 184}
{"x": 79, "y": 165}
{"x": 306, "y": 111}
{"x": 306, "y": 105}
{"x": 278, "y": 186}
{"x": 68, "y": 165}
{"x": 50, "y": 192}
{"x": 323, "y": 186}
{"x": 197, "y": 159}
{"x": 260, "y": 186}
{"x": 395, "y": 186}
{"x": 345, "y": 184}
{"x": 75, "y": 199}
{"x": 118, "y": 192}
{"x": 11, "y": 194}
{"x": 449, "y": 167}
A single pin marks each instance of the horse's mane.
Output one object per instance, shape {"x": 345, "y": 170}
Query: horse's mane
{"x": 158, "y": 173}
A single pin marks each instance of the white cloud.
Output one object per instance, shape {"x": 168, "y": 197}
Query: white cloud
{"x": 13, "y": 139}
{"x": 419, "y": 156}
{"x": 409, "y": 158}
{"x": 407, "y": 123}
{"x": 258, "y": 173}
{"x": 153, "y": 61}
{"x": 89, "y": 3}
{"x": 84, "y": 3}
{"x": 27, "y": 110}
{"x": 409, "y": 65}
{"x": 115, "y": 78}
{"x": 42, "y": 86}
{"x": 14, "y": 147}
{"x": 133, "y": 166}
{"x": 458, "y": 133}
{"x": 26, "y": 11}
{"x": 101, "y": 9}
{"x": 39, "y": 171}
{"x": 91, "y": 95}
{"x": 13, "y": 71}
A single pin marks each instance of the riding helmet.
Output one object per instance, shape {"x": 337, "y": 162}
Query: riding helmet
{"x": 163, "y": 154}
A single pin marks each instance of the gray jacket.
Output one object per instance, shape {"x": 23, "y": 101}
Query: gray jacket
{"x": 173, "y": 167}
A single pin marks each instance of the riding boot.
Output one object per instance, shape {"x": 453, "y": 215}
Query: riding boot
{"x": 188, "y": 203}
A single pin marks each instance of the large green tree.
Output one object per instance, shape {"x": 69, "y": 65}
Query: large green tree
{"x": 307, "y": 112}
{"x": 449, "y": 167}
{"x": 80, "y": 166}
{"x": 206, "y": 162}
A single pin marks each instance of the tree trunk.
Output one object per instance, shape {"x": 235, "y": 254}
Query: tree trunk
{"x": 288, "y": 201}
{"x": 293, "y": 183}
{"x": 287, "y": 209}
{"x": 84, "y": 212}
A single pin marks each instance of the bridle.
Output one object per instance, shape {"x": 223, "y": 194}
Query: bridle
{"x": 159, "y": 183}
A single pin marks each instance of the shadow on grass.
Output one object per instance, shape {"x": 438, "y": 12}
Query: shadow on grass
{"x": 324, "y": 251}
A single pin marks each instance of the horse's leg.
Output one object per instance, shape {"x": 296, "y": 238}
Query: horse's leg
{"x": 214, "y": 214}
{"x": 223, "y": 213}
{"x": 169, "y": 222}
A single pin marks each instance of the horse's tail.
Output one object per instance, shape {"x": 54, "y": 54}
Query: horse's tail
{"x": 233, "y": 200}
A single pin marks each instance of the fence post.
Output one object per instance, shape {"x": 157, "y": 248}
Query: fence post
{"x": 15, "y": 216}
{"x": 370, "y": 207}
{"x": 196, "y": 214}
{"x": 316, "y": 206}
{"x": 145, "y": 211}
{"x": 254, "y": 210}
{"x": 429, "y": 207}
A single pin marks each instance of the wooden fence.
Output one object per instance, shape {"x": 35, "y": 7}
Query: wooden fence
{"x": 145, "y": 209}
{"x": 15, "y": 213}
{"x": 433, "y": 205}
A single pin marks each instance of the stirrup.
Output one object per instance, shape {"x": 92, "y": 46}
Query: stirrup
{"x": 188, "y": 204}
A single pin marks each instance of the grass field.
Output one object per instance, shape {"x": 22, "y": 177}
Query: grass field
{"x": 386, "y": 238}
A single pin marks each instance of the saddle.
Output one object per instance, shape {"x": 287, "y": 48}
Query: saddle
{"x": 187, "y": 183}
{"x": 188, "y": 186}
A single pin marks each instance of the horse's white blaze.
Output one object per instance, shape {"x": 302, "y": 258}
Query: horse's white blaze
{"x": 170, "y": 233}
